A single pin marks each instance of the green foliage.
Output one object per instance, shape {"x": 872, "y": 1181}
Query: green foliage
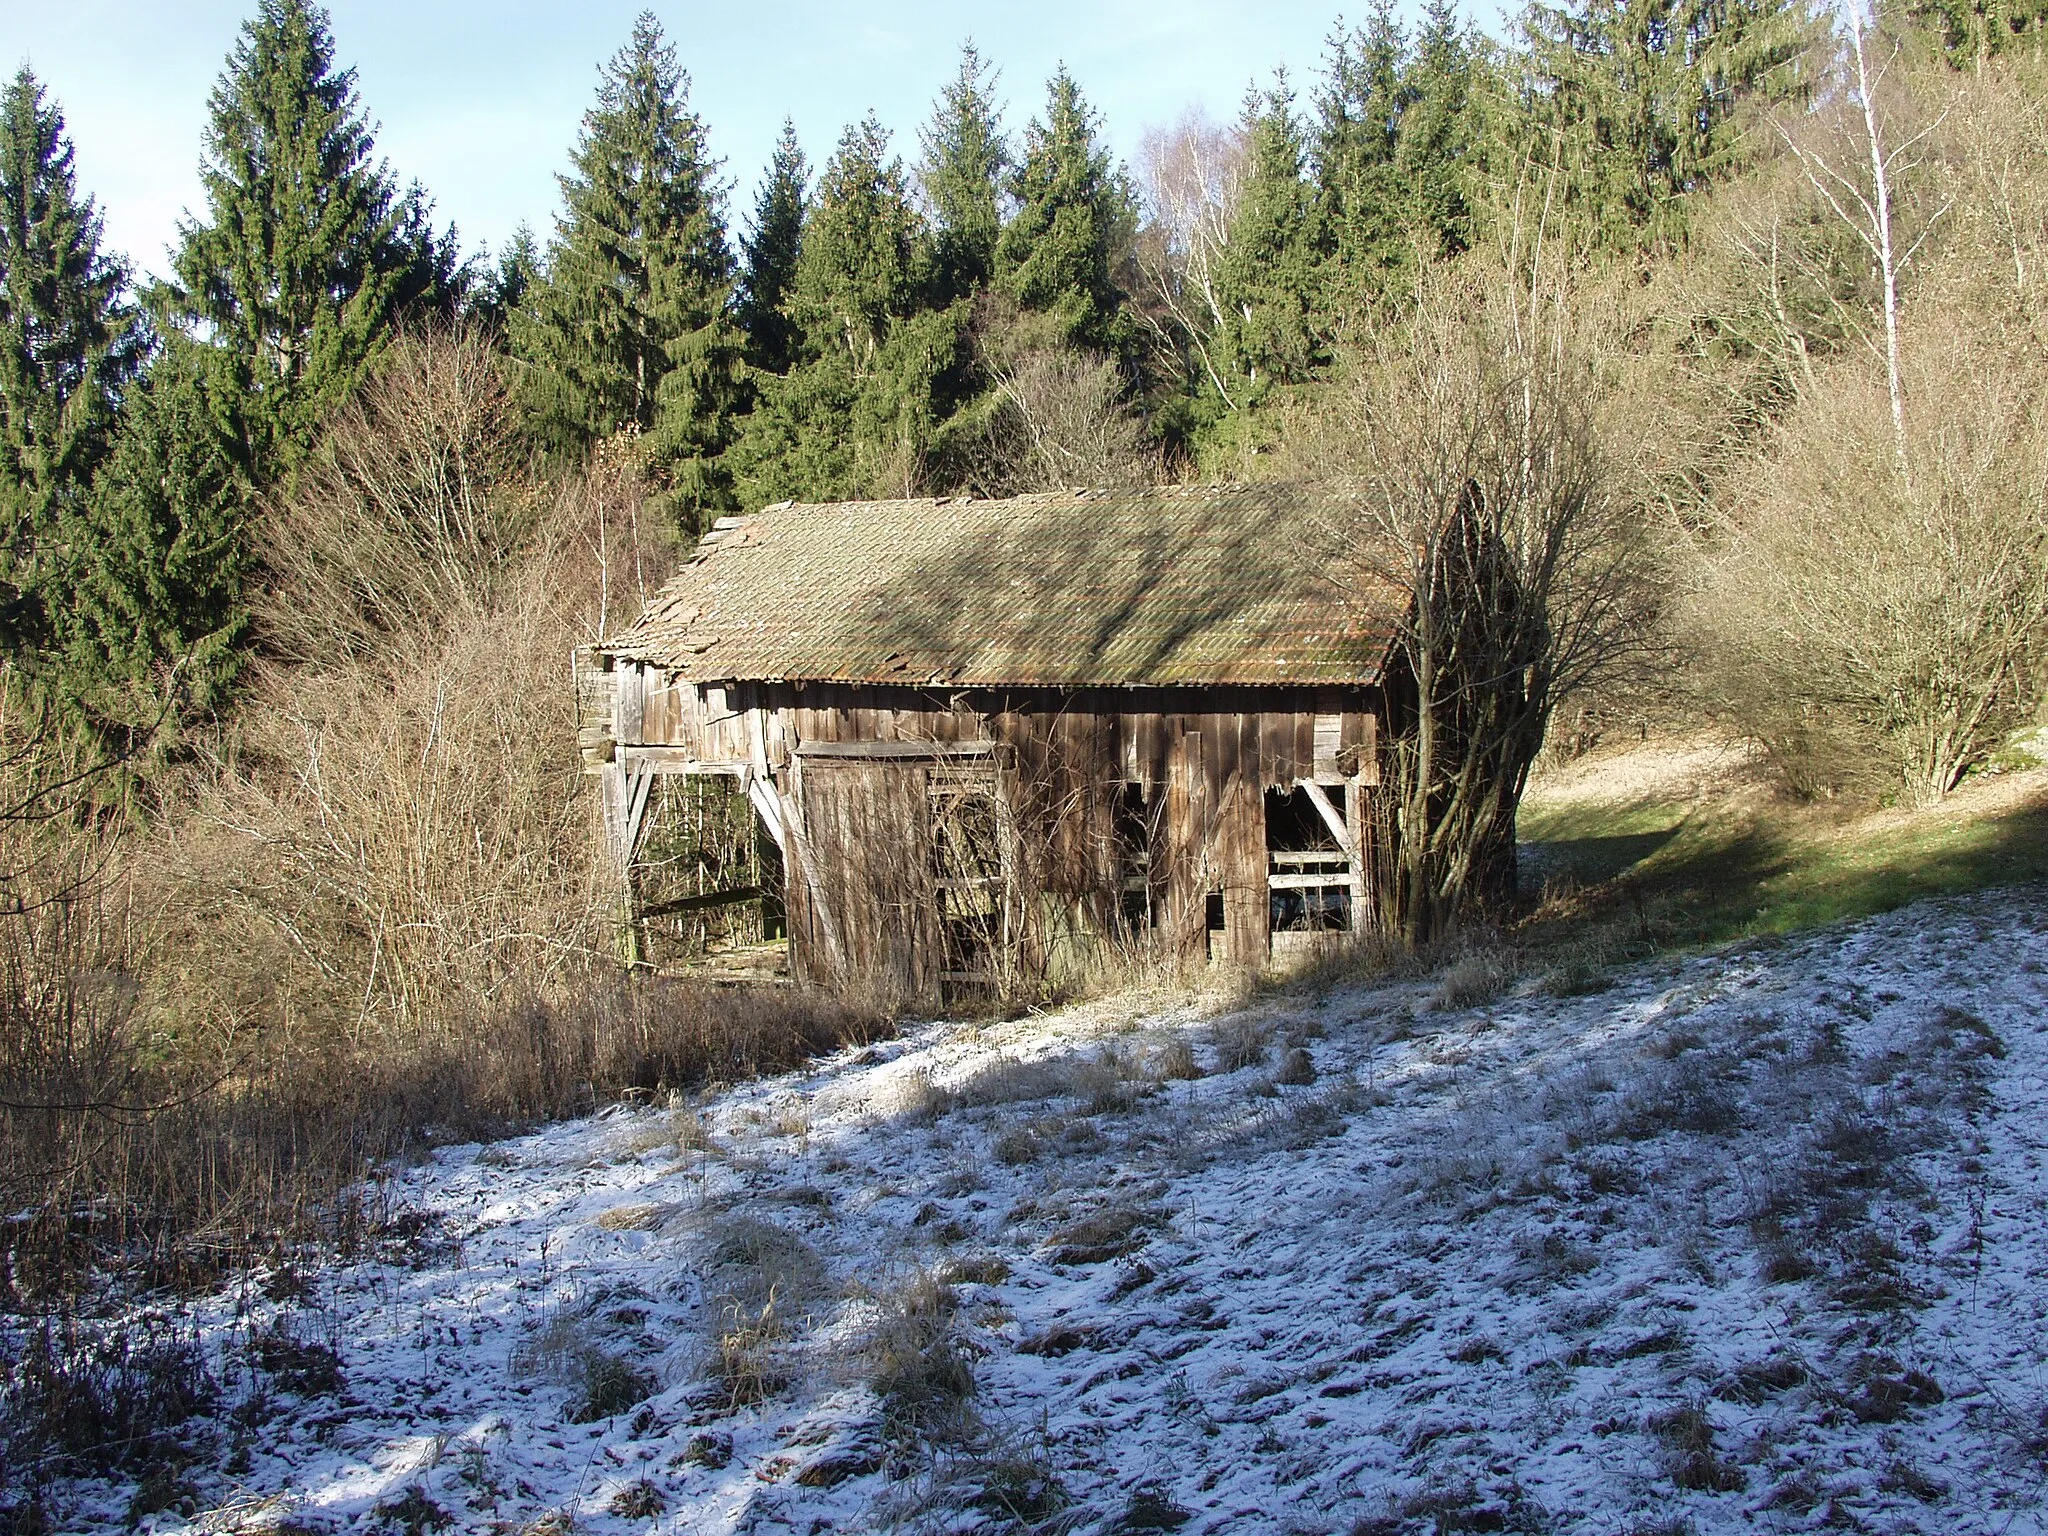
{"x": 309, "y": 253}
{"x": 771, "y": 249}
{"x": 961, "y": 175}
{"x": 628, "y": 325}
{"x": 154, "y": 562}
{"x": 68, "y": 345}
{"x": 1397, "y": 135}
{"x": 1973, "y": 32}
{"x": 1076, "y": 217}
{"x": 876, "y": 369}
{"x": 1270, "y": 274}
{"x": 505, "y": 289}
{"x": 1635, "y": 102}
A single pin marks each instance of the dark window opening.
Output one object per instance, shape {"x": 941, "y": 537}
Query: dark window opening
{"x": 1308, "y": 871}
{"x": 1215, "y": 912}
{"x": 1133, "y": 818}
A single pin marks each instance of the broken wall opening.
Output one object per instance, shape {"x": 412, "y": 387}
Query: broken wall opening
{"x": 1309, "y": 872}
{"x": 707, "y": 878}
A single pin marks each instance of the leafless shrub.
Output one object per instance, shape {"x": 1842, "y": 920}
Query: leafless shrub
{"x": 916, "y": 1360}
{"x": 1473, "y": 980}
{"x": 1241, "y": 1042}
{"x": 410, "y": 509}
{"x": 1872, "y": 609}
{"x": 1060, "y": 423}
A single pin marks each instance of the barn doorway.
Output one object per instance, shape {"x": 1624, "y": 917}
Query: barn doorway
{"x": 972, "y": 862}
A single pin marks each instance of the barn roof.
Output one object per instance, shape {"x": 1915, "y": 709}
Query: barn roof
{"x": 1175, "y": 586}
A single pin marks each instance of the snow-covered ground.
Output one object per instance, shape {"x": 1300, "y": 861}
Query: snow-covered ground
{"x": 1748, "y": 1241}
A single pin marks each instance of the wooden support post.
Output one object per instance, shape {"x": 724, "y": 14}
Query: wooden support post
{"x": 1362, "y": 915}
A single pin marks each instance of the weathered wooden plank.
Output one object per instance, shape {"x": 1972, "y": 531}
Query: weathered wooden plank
{"x": 1186, "y": 828}
{"x": 1241, "y": 847}
{"x": 894, "y": 750}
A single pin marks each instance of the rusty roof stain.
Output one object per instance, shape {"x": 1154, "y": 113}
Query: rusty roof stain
{"x": 1172, "y": 586}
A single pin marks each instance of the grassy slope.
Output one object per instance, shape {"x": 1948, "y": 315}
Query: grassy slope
{"x": 1688, "y": 844}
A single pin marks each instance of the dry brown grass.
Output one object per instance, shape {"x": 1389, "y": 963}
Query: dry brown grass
{"x": 376, "y": 910}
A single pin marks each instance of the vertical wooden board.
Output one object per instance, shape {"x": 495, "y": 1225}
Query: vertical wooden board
{"x": 1240, "y": 837}
{"x": 630, "y": 703}
{"x": 877, "y": 869}
{"x": 1304, "y": 745}
{"x": 1276, "y": 749}
{"x": 1364, "y": 884}
{"x": 1248, "y": 753}
{"x": 1185, "y": 830}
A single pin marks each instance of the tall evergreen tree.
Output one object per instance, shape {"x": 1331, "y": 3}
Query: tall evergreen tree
{"x": 503, "y": 288}
{"x": 155, "y": 562}
{"x": 1269, "y": 276}
{"x": 68, "y": 344}
{"x": 1075, "y": 217}
{"x": 1634, "y": 101}
{"x": 1358, "y": 135}
{"x": 309, "y": 252}
{"x": 1440, "y": 132}
{"x": 628, "y": 326}
{"x": 771, "y": 248}
{"x": 876, "y": 368}
{"x": 961, "y": 175}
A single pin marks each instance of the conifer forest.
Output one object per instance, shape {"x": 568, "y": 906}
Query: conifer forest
{"x": 303, "y": 881}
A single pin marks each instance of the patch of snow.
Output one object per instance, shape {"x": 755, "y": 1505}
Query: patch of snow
{"x": 1753, "y": 1240}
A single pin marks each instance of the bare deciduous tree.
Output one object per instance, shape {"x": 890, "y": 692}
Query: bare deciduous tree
{"x": 416, "y": 496}
{"x": 1858, "y": 178}
{"x": 1059, "y": 421}
{"x": 1879, "y": 627}
{"x": 1485, "y": 495}
{"x": 1188, "y": 177}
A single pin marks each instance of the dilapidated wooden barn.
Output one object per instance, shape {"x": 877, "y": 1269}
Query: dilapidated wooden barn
{"x": 987, "y": 738}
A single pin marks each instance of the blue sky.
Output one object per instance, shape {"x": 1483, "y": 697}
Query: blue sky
{"x": 481, "y": 101}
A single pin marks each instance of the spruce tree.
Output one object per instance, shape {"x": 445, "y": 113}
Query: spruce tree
{"x": 1634, "y": 101}
{"x": 1439, "y": 132}
{"x": 504, "y": 287}
{"x": 68, "y": 344}
{"x": 1358, "y": 134}
{"x": 961, "y": 175}
{"x": 309, "y": 252}
{"x": 877, "y": 369}
{"x": 772, "y": 248}
{"x": 156, "y": 560}
{"x": 1074, "y": 219}
{"x": 1269, "y": 276}
{"x": 628, "y": 326}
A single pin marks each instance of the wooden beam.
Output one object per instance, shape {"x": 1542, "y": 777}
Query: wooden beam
{"x": 660, "y": 759}
{"x": 708, "y": 899}
{"x": 1308, "y": 882}
{"x": 769, "y": 804}
{"x": 894, "y": 749}
{"x": 1328, "y": 812}
{"x": 1364, "y": 915}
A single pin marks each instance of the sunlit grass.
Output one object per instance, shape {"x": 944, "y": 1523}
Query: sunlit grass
{"x": 1748, "y": 861}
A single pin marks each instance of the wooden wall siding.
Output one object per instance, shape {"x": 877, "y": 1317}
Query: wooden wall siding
{"x": 861, "y": 903}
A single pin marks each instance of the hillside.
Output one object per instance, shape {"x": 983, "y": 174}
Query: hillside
{"x": 1745, "y": 1241}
